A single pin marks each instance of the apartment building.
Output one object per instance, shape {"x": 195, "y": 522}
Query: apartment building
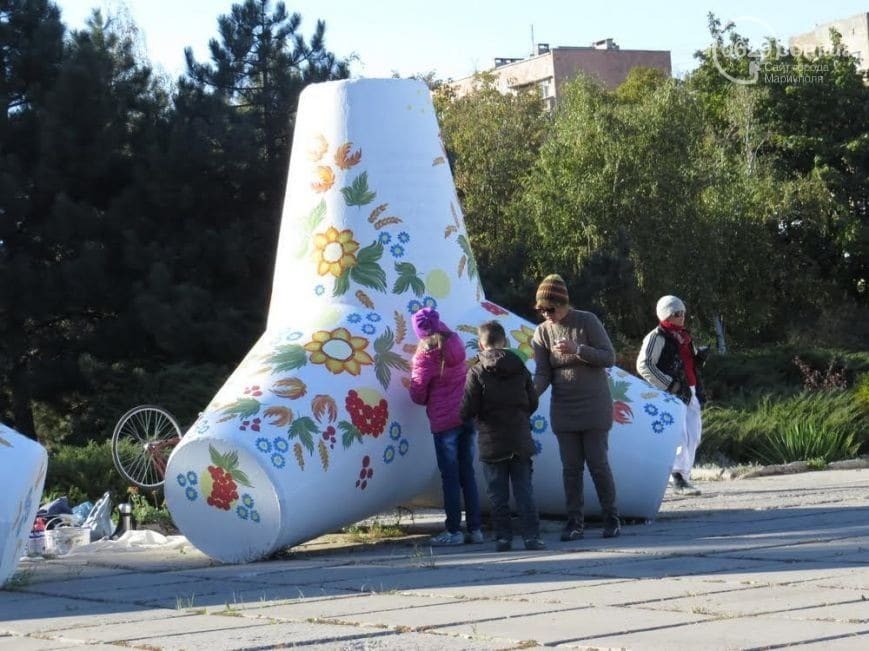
{"x": 855, "y": 37}
{"x": 550, "y": 68}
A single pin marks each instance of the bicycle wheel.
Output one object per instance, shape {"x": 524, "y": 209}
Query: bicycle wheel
{"x": 141, "y": 444}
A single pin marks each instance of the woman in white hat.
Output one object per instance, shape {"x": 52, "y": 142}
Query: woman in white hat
{"x": 669, "y": 360}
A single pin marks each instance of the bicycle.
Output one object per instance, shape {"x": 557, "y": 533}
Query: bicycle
{"x": 143, "y": 439}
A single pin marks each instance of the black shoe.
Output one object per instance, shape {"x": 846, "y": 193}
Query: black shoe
{"x": 503, "y": 545}
{"x": 572, "y": 531}
{"x": 534, "y": 544}
{"x": 679, "y": 482}
{"x": 612, "y": 528}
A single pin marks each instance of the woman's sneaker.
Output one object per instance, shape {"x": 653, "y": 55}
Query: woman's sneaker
{"x": 572, "y": 531}
{"x": 503, "y": 545}
{"x": 447, "y": 539}
{"x": 474, "y": 537}
{"x": 682, "y": 486}
{"x": 534, "y": 544}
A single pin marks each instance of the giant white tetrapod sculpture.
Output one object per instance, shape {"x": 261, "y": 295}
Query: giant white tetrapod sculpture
{"x": 315, "y": 429}
{"x": 23, "y": 463}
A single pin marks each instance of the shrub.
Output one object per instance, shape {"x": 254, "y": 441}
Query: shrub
{"x": 750, "y": 430}
{"x": 83, "y": 473}
{"x": 805, "y": 441}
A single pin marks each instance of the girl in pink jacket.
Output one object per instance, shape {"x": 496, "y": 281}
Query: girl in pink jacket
{"x": 437, "y": 381}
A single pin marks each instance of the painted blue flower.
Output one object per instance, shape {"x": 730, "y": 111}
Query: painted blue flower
{"x": 278, "y": 460}
{"x": 538, "y": 424}
{"x": 319, "y": 290}
{"x": 650, "y": 409}
{"x": 403, "y": 446}
{"x": 254, "y": 516}
{"x": 247, "y": 500}
{"x": 191, "y": 493}
{"x": 281, "y": 444}
{"x": 666, "y": 418}
{"x": 389, "y": 454}
{"x": 538, "y": 446}
{"x": 374, "y": 317}
{"x": 264, "y": 445}
{"x": 295, "y": 334}
{"x": 192, "y": 479}
{"x": 657, "y": 427}
{"x": 354, "y": 318}
{"x": 397, "y": 251}
{"x": 413, "y": 306}
{"x": 202, "y": 427}
{"x": 384, "y": 238}
{"x": 395, "y": 430}
{"x": 182, "y": 479}
{"x": 242, "y": 512}
{"x": 429, "y": 301}
{"x": 368, "y": 329}
{"x": 403, "y": 237}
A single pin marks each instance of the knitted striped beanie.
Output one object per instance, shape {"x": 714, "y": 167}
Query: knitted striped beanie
{"x": 552, "y": 290}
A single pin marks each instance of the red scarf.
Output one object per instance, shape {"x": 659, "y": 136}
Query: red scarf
{"x": 686, "y": 349}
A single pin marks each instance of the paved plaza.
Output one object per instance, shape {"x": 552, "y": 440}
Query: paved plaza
{"x": 768, "y": 562}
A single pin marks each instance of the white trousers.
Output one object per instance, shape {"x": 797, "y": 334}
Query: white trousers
{"x": 691, "y": 431}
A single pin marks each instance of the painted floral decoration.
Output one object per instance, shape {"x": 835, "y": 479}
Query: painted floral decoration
{"x": 335, "y": 251}
{"x": 339, "y": 351}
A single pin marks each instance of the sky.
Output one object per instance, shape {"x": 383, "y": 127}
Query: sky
{"x": 455, "y": 38}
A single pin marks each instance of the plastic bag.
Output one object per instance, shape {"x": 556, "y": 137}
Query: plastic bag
{"x": 100, "y": 518}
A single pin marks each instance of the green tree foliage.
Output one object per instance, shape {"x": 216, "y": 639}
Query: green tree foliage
{"x": 492, "y": 141}
{"x": 136, "y": 226}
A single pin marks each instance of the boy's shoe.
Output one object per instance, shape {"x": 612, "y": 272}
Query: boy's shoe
{"x": 572, "y": 531}
{"x": 503, "y": 545}
{"x": 534, "y": 544}
{"x": 474, "y": 537}
{"x": 447, "y": 539}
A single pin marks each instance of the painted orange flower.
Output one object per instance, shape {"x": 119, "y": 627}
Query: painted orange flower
{"x": 339, "y": 351}
{"x": 325, "y": 178}
{"x": 523, "y": 337}
{"x": 335, "y": 251}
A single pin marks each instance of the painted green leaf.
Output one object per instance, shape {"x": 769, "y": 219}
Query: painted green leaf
{"x": 466, "y": 248}
{"x": 619, "y": 389}
{"x": 240, "y": 477}
{"x": 349, "y": 433}
{"x": 307, "y": 226}
{"x": 242, "y": 408}
{"x": 287, "y": 357}
{"x": 304, "y": 429}
{"x": 385, "y": 341}
{"x": 407, "y": 279}
{"x": 367, "y": 271}
{"x": 357, "y": 193}
{"x": 342, "y": 284}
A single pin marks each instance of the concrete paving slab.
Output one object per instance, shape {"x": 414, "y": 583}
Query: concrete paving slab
{"x": 741, "y": 633}
{"x": 765, "y": 562}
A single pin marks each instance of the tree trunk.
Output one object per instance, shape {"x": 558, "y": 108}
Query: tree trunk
{"x": 22, "y": 410}
{"x": 720, "y": 341}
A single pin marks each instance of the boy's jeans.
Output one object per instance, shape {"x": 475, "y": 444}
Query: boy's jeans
{"x": 499, "y": 476}
{"x": 455, "y": 455}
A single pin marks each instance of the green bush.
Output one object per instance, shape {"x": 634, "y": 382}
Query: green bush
{"x": 756, "y": 430}
{"x": 83, "y": 473}
{"x": 805, "y": 442}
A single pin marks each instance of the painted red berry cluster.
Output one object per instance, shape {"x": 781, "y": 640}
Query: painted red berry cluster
{"x": 365, "y": 474}
{"x": 224, "y": 491}
{"x": 367, "y": 419}
{"x": 329, "y": 436}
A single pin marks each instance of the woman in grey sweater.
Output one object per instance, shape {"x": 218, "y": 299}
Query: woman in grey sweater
{"x": 571, "y": 352}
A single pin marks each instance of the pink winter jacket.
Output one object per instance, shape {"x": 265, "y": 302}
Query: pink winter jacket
{"x": 440, "y": 391}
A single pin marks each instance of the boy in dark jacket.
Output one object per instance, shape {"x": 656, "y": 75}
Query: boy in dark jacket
{"x": 499, "y": 394}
